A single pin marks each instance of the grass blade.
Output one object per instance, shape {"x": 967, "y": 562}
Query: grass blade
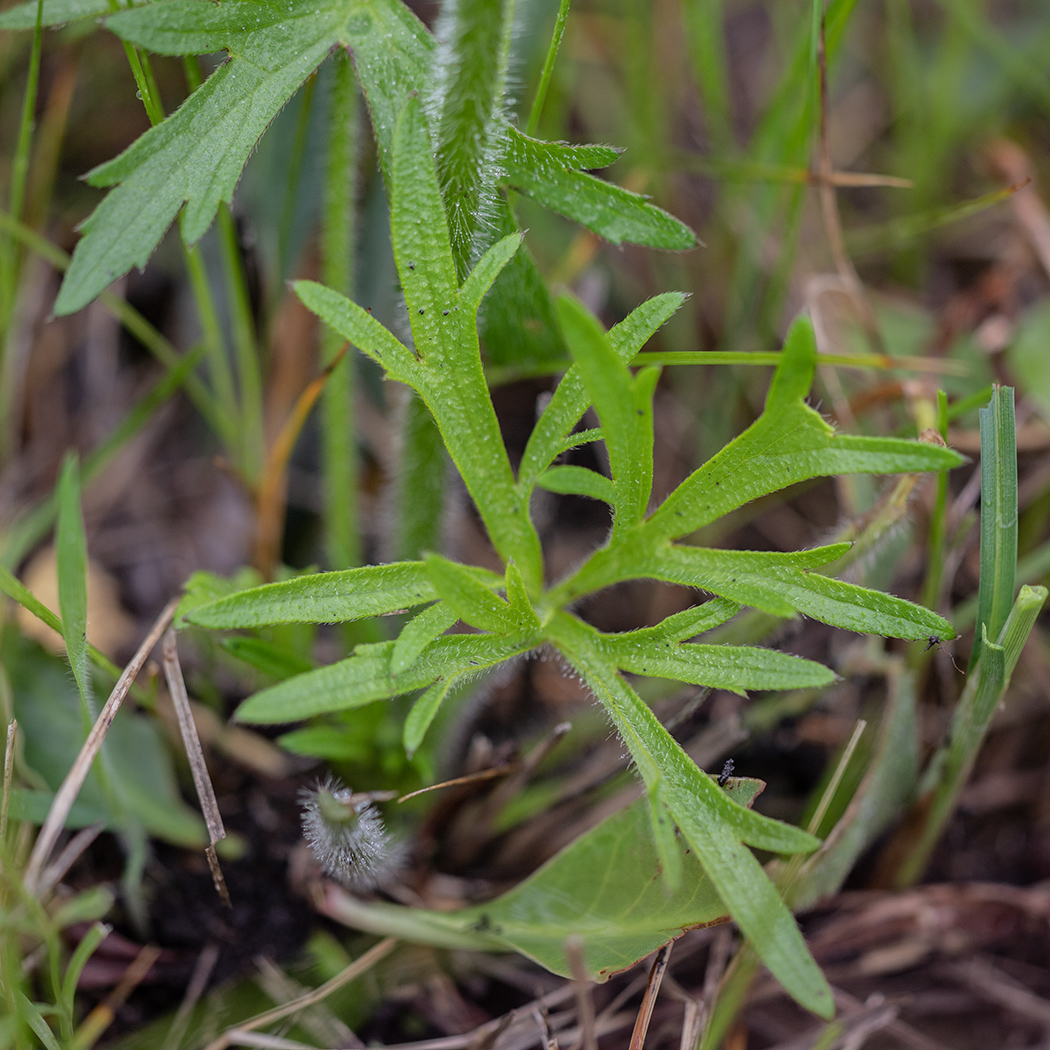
{"x": 998, "y": 516}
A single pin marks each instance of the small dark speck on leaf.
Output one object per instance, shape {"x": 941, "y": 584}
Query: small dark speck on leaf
{"x": 421, "y": 309}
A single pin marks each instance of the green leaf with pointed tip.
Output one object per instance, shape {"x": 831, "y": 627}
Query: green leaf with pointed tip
{"x": 604, "y": 888}
{"x": 323, "y": 597}
{"x": 71, "y": 558}
{"x": 732, "y": 667}
{"x": 358, "y": 327}
{"x": 602, "y": 207}
{"x": 518, "y": 598}
{"x": 470, "y": 600}
{"x": 559, "y": 156}
{"x": 550, "y": 436}
{"x": 55, "y": 12}
{"x": 781, "y": 584}
{"x": 366, "y": 676}
{"x": 686, "y": 624}
{"x": 418, "y": 633}
{"x": 423, "y": 712}
{"x": 489, "y": 267}
{"x": 517, "y": 321}
{"x": 569, "y": 480}
{"x": 788, "y": 443}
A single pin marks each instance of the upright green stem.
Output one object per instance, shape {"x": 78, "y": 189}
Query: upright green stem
{"x": 211, "y": 331}
{"x": 548, "y": 69}
{"x": 251, "y": 445}
{"x": 338, "y": 426}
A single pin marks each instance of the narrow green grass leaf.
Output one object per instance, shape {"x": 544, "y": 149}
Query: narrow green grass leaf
{"x": 71, "y": 558}
{"x": 366, "y": 676}
{"x": 998, "y": 514}
{"x": 418, "y": 633}
{"x": 324, "y": 597}
{"x": 885, "y": 791}
{"x": 569, "y": 480}
{"x": 470, "y": 600}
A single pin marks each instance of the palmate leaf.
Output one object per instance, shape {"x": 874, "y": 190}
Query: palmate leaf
{"x": 195, "y": 157}
{"x": 604, "y": 888}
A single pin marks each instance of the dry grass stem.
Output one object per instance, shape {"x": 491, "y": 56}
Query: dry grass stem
{"x": 195, "y": 754}
{"x": 9, "y": 768}
{"x": 588, "y": 1039}
{"x": 352, "y": 972}
{"x": 76, "y": 846}
{"x": 652, "y": 990}
{"x": 74, "y": 781}
{"x": 102, "y": 1016}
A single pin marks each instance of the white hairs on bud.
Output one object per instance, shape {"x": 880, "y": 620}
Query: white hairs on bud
{"x": 357, "y": 850}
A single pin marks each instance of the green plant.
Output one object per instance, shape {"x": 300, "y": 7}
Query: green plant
{"x": 515, "y": 614}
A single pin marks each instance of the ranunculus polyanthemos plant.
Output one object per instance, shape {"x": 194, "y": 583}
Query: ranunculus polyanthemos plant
{"x": 519, "y": 612}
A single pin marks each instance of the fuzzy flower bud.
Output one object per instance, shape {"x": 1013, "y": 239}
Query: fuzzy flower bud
{"x": 345, "y": 833}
